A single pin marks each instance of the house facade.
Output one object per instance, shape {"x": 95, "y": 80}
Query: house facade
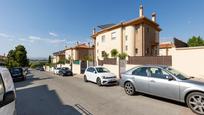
{"x": 137, "y": 37}
{"x": 58, "y": 56}
{"x": 79, "y": 52}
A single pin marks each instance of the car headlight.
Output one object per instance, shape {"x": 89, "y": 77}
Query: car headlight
{"x": 114, "y": 77}
{"x": 104, "y": 77}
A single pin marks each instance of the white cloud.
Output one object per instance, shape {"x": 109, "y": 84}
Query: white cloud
{"x": 56, "y": 41}
{"x": 11, "y": 39}
{"x": 53, "y": 34}
{"x": 22, "y": 39}
{"x": 5, "y": 35}
{"x": 34, "y": 38}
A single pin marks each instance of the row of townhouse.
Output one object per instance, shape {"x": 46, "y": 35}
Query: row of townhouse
{"x": 78, "y": 52}
{"x": 137, "y": 37}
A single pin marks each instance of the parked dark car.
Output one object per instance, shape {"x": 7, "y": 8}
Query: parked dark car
{"x": 17, "y": 74}
{"x": 65, "y": 72}
{"x": 40, "y": 68}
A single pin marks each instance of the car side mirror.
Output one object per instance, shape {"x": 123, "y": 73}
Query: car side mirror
{"x": 95, "y": 72}
{"x": 8, "y": 98}
{"x": 169, "y": 77}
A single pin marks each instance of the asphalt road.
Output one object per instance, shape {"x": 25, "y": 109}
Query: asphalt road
{"x": 47, "y": 94}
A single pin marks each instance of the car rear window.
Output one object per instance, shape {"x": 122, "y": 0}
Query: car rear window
{"x": 16, "y": 70}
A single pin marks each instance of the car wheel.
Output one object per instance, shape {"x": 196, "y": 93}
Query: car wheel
{"x": 98, "y": 81}
{"x": 71, "y": 74}
{"x": 129, "y": 88}
{"x": 85, "y": 79}
{"x": 195, "y": 102}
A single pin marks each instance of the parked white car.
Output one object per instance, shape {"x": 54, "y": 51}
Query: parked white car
{"x": 99, "y": 75}
{"x": 56, "y": 70}
{"x": 7, "y": 93}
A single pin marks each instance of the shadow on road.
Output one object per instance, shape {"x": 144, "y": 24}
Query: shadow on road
{"x": 42, "y": 101}
{"x": 29, "y": 79}
{"x": 162, "y": 99}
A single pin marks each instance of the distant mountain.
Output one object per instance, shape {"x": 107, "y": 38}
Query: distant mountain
{"x": 38, "y": 59}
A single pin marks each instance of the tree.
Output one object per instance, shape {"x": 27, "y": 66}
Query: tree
{"x": 10, "y": 62}
{"x": 87, "y": 58}
{"x": 21, "y": 56}
{"x": 49, "y": 59}
{"x": 37, "y": 64}
{"x": 104, "y": 54}
{"x": 195, "y": 41}
{"x": 122, "y": 56}
{"x": 17, "y": 57}
{"x": 114, "y": 53}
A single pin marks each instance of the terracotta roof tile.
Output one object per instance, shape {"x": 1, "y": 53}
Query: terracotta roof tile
{"x": 165, "y": 45}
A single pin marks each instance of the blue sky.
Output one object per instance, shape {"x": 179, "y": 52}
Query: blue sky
{"x": 46, "y": 26}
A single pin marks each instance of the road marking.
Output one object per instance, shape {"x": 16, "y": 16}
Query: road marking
{"x": 82, "y": 109}
{"x": 26, "y": 87}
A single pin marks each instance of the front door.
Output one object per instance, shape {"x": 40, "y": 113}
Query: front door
{"x": 159, "y": 85}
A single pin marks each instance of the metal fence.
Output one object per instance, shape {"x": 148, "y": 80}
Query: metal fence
{"x": 111, "y": 61}
{"x": 154, "y": 60}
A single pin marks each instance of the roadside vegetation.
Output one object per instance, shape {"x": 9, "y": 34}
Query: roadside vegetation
{"x": 195, "y": 41}
{"x": 17, "y": 57}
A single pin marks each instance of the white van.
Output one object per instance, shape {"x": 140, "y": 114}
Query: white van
{"x": 7, "y": 93}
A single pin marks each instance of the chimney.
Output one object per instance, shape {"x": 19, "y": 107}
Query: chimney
{"x": 89, "y": 44}
{"x": 154, "y": 16}
{"x": 141, "y": 13}
{"x": 94, "y": 31}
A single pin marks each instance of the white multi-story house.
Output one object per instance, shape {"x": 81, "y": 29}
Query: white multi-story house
{"x": 137, "y": 37}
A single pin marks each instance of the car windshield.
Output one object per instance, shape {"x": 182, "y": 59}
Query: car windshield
{"x": 102, "y": 70}
{"x": 65, "y": 68}
{"x": 178, "y": 74}
{"x": 16, "y": 71}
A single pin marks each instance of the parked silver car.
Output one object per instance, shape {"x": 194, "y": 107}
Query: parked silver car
{"x": 165, "y": 82}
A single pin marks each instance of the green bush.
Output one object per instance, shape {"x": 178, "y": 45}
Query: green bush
{"x": 122, "y": 56}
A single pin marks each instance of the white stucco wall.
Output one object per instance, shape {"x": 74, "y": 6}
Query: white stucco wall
{"x": 68, "y": 53}
{"x": 162, "y": 52}
{"x": 76, "y": 68}
{"x": 129, "y": 66}
{"x": 64, "y": 65}
{"x": 108, "y": 43}
{"x": 129, "y": 32}
{"x": 55, "y": 59}
{"x": 189, "y": 61}
{"x": 113, "y": 68}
